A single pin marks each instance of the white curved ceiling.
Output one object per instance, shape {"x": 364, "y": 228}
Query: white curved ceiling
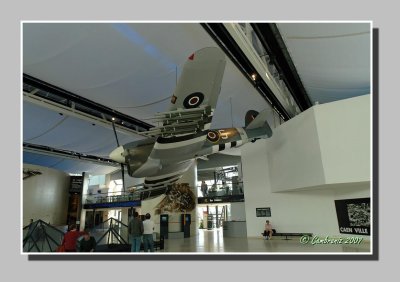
{"x": 332, "y": 59}
{"x": 133, "y": 67}
{"x": 129, "y": 67}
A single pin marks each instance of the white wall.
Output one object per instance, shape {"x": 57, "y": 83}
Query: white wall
{"x": 298, "y": 172}
{"x": 124, "y": 215}
{"x": 238, "y": 211}
{"x": 292, "y": 145}
{"x": 310, "y": 211}
{"x": 326, "y": 144}
{"x": 45, "y": 196}
{"x": 344, "y": 130}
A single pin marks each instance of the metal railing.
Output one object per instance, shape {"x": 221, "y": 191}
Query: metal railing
{"x": 217, "y": 190}
{"x": 124, "y": 197}
{"x": 111, "y": 231}
{"x": 40, "y": 236}
{"x": 105, "y": 198}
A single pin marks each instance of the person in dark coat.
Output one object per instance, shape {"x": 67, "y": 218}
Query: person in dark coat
{"x": 135, "y": 229}
{"x": 87, "y": 243}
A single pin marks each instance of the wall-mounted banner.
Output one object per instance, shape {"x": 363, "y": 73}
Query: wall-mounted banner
{"x": 76, "y": 184}
{"x": 263, "y": 212}
{"x": 354, "y": 216}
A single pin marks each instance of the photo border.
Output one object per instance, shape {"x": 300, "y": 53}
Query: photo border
{"x": 374, "y": 241}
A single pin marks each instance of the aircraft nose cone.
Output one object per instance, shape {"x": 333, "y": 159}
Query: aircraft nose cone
{"x": 118, "y": 155}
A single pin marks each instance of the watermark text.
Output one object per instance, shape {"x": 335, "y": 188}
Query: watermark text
{"x": 317, "y": 240}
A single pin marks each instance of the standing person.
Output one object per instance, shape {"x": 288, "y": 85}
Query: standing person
{"x": 204, "y": 188}
{"x": 70, "y": 238}
{"x": 87, "y": 243}
{"x": 148, "y": 228}
{"x": 135, "y": 229}
{"x": 226, "y": 187}
{"x": 267, "y": 230}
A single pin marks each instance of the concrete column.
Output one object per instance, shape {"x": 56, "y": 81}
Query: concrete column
{"x": 82, "y": 212}
{"x": 216, "y": 217}
{"x": 190, "y": 177}
{"x": 240, "y": 178}
{"x": 149, "y": 206}
{"x": 124, "y": 215}
{"x": 82, "y": 220}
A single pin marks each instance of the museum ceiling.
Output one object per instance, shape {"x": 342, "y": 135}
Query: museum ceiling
{"x": 132, "y": 69}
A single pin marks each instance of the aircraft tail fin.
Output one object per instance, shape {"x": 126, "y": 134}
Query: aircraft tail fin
{"x": 255, "y": 120}
{"x": 250, "y": 116}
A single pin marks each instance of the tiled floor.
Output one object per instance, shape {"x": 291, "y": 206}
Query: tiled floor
{"x": 212, "y": 241}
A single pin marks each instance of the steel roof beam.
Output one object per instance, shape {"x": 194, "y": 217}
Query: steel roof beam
{"x": 227, "y": 43}
{"x": 93, "y": 108}
{"x": 271, "y": 39}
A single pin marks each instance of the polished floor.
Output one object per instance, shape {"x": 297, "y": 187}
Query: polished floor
{"x": 212, "y": 241}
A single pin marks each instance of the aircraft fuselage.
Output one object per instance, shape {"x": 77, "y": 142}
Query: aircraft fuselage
{"x": 170, "y": 157}
{"x": 183, "y": 133}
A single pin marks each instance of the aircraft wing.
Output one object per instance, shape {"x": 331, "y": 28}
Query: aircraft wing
{"x": 171, "y": 150}
{"x": 195, "y": 97}
{"x": 200, "y": 81}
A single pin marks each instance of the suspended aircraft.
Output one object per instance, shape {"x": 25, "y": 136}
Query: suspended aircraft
{"x": 184, "y": 133}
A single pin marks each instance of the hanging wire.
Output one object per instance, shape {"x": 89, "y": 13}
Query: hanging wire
{"x": 149, "y": 104}
{"x": 230, "y": 101}
{"x": 48, "y": 130}
{"x": 158, "y": 101}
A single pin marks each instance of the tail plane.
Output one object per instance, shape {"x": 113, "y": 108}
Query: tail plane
{"x": 256, "y": 121}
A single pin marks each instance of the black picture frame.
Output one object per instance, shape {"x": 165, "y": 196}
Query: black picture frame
{"x": 354, "y": 216}
{"x": 263, "y": 212}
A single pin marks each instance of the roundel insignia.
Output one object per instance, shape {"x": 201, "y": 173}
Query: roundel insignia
{"x": 213, "y": 136}
{"x": 193, "y": 100}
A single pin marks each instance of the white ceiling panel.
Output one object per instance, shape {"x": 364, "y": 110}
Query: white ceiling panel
{"x": 73, "y": 166}
{"x": 133, "y": 68}
{"x": 332, "y": 59}
{"x": 129, "y": 67}
{"x": 48, "y": 128}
